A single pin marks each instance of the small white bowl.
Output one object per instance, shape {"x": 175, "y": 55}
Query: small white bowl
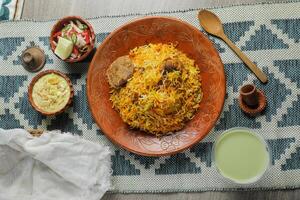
{"x": 250, "y": 131}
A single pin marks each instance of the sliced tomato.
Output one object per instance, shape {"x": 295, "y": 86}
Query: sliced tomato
{"x": 75, "y": 51}
{"x": 57, "y": 34}
{"x": 86, "y": 35}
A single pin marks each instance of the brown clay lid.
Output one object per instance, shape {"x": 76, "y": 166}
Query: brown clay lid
{"x": 253, "y": 111}
{"x": 33, "y": 59}
{"x": 38, "y": 95}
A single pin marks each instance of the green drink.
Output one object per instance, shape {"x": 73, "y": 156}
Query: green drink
{"x": 241, "y": 155}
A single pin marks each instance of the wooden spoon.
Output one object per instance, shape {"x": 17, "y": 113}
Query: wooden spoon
{"x": 212, "y": 24}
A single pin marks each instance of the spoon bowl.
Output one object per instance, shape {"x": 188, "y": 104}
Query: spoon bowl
{"x": 210, "y": 22}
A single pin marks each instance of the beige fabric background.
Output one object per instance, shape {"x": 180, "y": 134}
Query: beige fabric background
{"x": 47, "y": 9}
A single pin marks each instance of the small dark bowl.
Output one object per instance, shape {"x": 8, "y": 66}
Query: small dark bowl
{"x": 59, "y": 25}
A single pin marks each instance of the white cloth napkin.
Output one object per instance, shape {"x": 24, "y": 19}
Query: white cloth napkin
{"x": 53, "y": 166}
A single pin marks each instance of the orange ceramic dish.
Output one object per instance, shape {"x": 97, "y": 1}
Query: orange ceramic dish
{"x": 157, "y": 30}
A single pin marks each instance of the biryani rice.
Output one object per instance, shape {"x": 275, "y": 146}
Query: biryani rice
{"x": 157, "y": 100}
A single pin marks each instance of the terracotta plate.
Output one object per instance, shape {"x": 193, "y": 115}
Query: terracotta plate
{"x": 140, "y": 32}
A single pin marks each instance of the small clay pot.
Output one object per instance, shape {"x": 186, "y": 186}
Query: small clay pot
{"x": 36, "y": 78}
{"x": 59, "y": 25}
{"x": 249, "y": 95}
{"x": 33, "y": 59}
{"x": 252, "y": 100}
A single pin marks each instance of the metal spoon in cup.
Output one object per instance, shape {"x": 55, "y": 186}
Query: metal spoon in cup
{"x": 212, "y": 24}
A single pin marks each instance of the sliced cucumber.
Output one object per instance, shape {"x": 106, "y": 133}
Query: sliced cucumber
{"x": 64, "y": 48}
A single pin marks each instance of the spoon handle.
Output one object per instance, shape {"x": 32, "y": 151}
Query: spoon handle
{"x": 260, "y": 75}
